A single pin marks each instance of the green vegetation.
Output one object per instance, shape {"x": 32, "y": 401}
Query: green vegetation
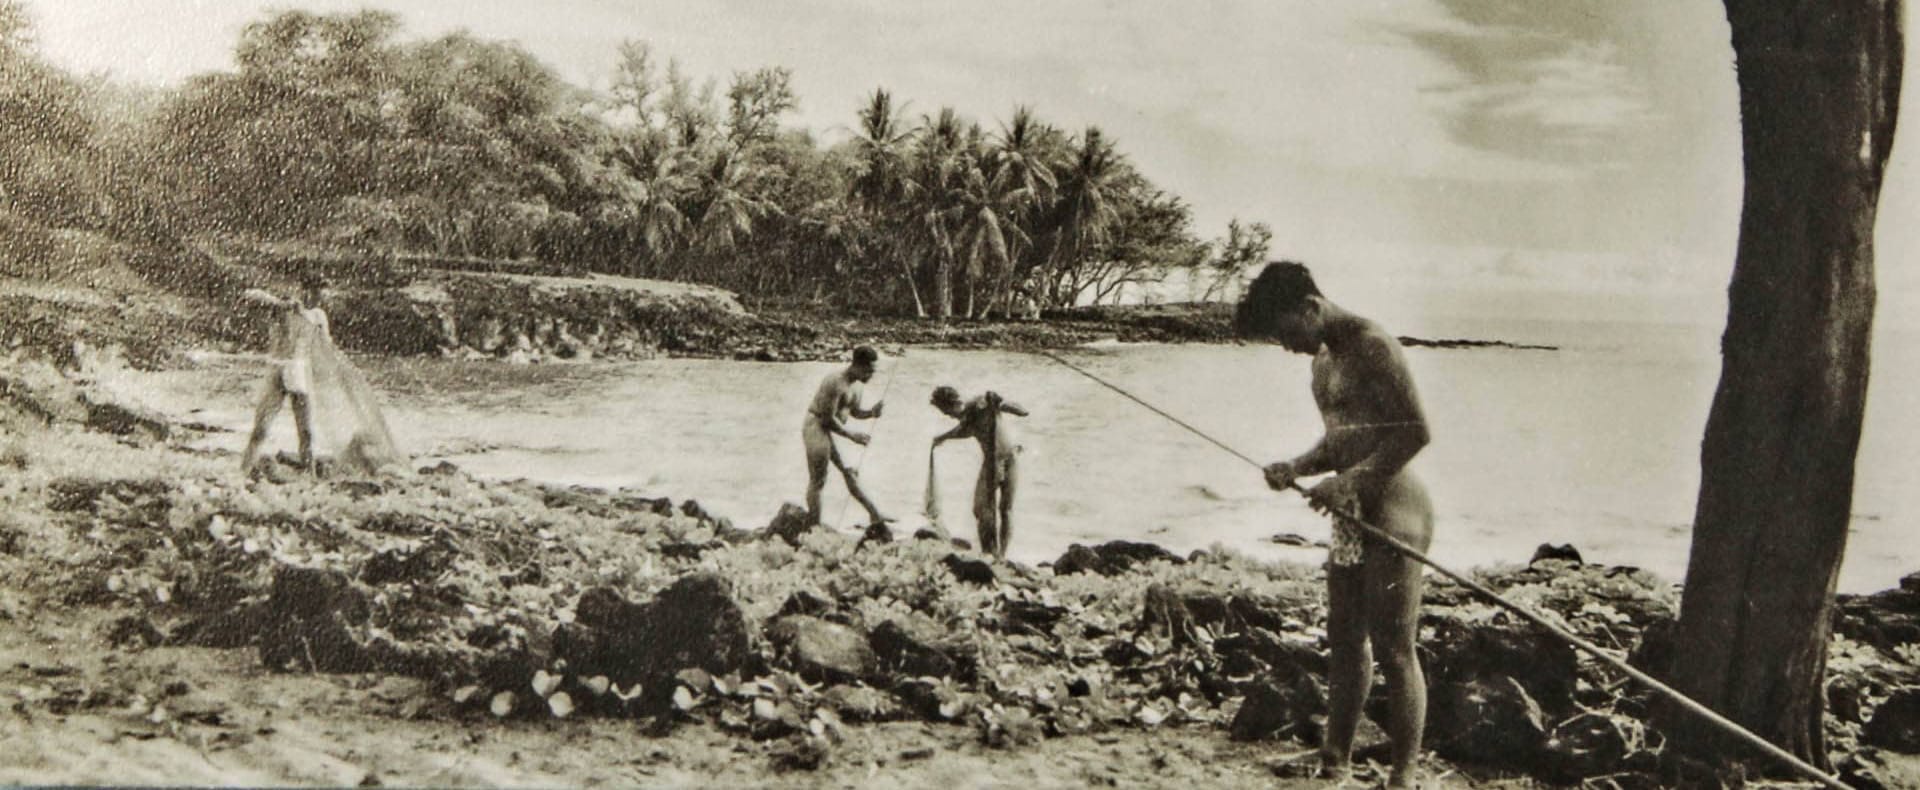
{"x": 336, "y": 134}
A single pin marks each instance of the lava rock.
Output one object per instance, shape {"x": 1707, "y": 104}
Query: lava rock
{"x": 1111, "y": 558}
{"x": 1563, "y": 552}
{"x": 904, "y": 650}
{"x": 1895, "y": 725}
{"x": 969, "y": 570}
{"x": 821, "y": 650}
{"x": 1275, "y": 709}
{"x": 1487, "y": 720}
{"x": 790, "y": 523}
{"x": 694, "y": 622}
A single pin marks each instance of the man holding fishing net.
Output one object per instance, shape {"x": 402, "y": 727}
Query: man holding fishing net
{"x": 837, "y": 399}
{"x": 999, "y": 455}
{"x": 331, "y": 400}
{"x": 1374, "y": 426}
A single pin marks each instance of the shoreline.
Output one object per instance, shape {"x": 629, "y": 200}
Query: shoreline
{"x": 519, "y": 318}
{"x": 444, "y": 593}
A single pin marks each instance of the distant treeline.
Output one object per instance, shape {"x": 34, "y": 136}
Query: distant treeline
{"x": 337, "y": 133}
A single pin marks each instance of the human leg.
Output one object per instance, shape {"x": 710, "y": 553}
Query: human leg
{"x": 303, "y": 426}
{"x": 985, "y": 513}
{"x": 1009, "y": 483}
{"x": 852, "y": 476}
{"x": 1349, "y": 663}
{"x": 819, "y": 447}
{"x": 263, "y": 414}
{"x": 1393, "y": 588}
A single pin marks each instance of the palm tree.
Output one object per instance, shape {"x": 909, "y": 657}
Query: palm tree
{"x": 881, "y": 185}
{"x": 939, "y": 166}
{"x": 644, "y": 196}
{"x": 1090, "y": 186}
{"x": 728, "y": 202}
{"x": 1022, "y": 157}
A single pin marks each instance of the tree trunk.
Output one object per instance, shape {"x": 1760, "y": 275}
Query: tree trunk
{"x": 1819, "y": 84}
{"x": 943, "y": 287}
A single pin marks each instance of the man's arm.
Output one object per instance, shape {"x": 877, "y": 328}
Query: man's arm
{"x": 260, "y": 297}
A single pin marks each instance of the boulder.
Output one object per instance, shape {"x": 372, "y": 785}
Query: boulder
{"x": 1564, "y": 552}
{"x": 121, "y": 420}
{"x": 967, "y": 570}
{"x": 307, "y": 627}
{"x": 1111, "y": 558}
{"x": 1468, "y": 651}
{"x": 694, "y": 622}
{"x": 1895, "y": 725}
{"x": 790, "y": 523}
{"x": 1488, "y": 721}
{"x": 1885, "y": 619}
{"x": 1278, "y": 709}
{"x": 914, "y": 651}
{"x": 821, "y": 650}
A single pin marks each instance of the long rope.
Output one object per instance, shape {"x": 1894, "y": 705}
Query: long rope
{"x": 861, "y": 459}
{"x": 1529, "y": 615}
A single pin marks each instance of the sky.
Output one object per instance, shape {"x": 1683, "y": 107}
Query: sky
{"x": 1596, "y": 140}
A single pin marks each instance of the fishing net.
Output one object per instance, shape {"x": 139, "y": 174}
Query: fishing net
{"x": 349, "y": 430}
{"x": 931, "y": 506}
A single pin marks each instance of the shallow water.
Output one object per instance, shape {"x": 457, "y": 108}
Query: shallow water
{"x": 1595, "y": 444}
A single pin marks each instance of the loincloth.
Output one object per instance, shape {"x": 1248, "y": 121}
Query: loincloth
{"x": 296, "y": 377}
{"x": 1347, "y": 550}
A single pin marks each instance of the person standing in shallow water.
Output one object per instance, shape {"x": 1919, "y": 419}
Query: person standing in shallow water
{"x": 298, "y": 327}
{"x": 837, "y": 399}
{"x": 999, "y": 455}
{"x": 1374, "y": 427}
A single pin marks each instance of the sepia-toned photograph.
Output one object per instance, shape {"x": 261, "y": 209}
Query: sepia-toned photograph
{"x": 892, "y": 393}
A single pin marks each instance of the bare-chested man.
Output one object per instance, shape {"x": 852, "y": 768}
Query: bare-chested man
{"x": 836, "y": 400}
{"x": 999, "y": 455}
{"x": 298, "y": 326}
{"x": 1374, "y": 426}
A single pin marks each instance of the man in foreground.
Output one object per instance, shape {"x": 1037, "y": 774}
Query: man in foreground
{"x": 1374, "y": 426}
{"x": 999, "y": 453}
{"x": 837, "y": 399}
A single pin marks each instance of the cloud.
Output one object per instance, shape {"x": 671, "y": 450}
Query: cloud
{"x": 1540, "y": 85}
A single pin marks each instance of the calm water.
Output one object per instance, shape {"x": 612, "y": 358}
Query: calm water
{"x": 1596, "y": 444}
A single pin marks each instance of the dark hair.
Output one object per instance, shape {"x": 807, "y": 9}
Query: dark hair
{"x": 313, "y": 281}
{"x": 944, "y": 396}
{"x": 865, "y": 355}
{"x": 1281, "y": 288}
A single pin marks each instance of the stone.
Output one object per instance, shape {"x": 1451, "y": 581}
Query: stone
{"x": 971, "y": 571}
{"x": 821, "y": 650}
{"x": 1885, "y": 619}
{"x": 1486, "y": 720}
{"x": 912, "y": 651}
{"x": 1276, "y": 709}
{"x": 807, "y": 603}
{"x": 790, "y": 523}
{"x": 694, "y": 622}
{"x": 121, "y": 420}
{"x": 877, "y": 534}
{"x": 1564, "y": 552}
{"x": 1543, "y": 665}
{"x": 1029, "y": 616}
{"x": 1895, "y": 725}
{"x": 1111, "y": 558}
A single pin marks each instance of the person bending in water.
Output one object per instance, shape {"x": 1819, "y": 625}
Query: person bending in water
{"x": 298, "y": 326}
{"x": 1374, "y": 426}
{"x": 999, "y": 451}
{"x": 838, "y": 398}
